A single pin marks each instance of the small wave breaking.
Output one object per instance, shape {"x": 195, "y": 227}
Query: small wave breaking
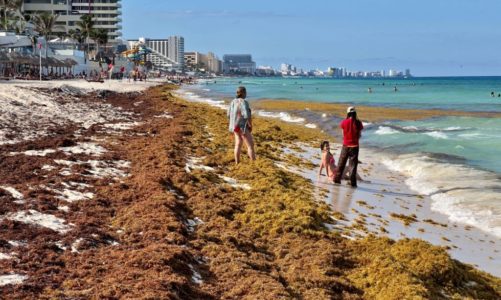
{"x": 464, "y": 194}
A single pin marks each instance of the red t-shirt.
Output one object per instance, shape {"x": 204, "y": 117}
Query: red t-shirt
{"x": 351, "y": 132}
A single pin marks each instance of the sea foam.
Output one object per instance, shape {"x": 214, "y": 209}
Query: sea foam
{"x": 462, "y": 193}
{"x": 383, "y": 130}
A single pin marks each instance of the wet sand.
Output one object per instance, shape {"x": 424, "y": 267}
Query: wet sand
{"x": 384, "y": 202}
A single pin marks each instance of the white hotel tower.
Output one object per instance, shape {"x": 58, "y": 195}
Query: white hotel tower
{"x": 106, "y": 13}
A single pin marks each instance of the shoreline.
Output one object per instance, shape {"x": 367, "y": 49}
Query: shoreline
{"x": 492, "y": 243}
{"x": 161, "y": 202}
{"x": 384, "y": 206}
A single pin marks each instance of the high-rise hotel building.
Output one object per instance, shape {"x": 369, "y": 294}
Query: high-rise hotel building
{"x": 106, "y": 13}
{"x": 166, "y": 53}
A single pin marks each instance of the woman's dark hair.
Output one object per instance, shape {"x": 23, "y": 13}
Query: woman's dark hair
{"x": 323, "y": 144}
{"x": 241, "y": 92}
{"x": 353, "y": 115}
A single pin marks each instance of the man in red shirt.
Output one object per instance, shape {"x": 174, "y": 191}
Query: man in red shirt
{"x": 352, "y": 131}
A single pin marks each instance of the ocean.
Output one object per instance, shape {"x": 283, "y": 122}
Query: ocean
{"x": 454, "y": 160}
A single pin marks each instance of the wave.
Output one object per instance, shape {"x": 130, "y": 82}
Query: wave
{"x": 197, "y": 98}
{"x": 281, "y": 115}
{"x": 437, "y": 135}
{"x": 384, "y": 130}
{"x": 462, "y": 193}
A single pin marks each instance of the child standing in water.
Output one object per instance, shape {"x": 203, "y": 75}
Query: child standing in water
{"x": 328, "y": 161}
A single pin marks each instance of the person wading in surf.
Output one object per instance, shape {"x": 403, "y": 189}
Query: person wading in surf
{"x": 352, "y": 131}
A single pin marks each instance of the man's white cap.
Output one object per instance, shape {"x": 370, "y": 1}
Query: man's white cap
{"x": 351, "y": 109}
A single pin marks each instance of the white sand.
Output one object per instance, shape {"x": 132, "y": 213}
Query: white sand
{"x": 5, "y": 256}
{"x": 27, "y": 114}
{"x": 193, "y": 163}
{"x": 36, "y": 218}
{"x": 234, "y": 183}
{"x": 15, "y": 193}
{"x": 12, "y": 279}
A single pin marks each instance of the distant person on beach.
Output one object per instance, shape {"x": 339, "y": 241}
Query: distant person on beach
{"x": 493, "y": 95}
{"x": 352, "y": 131}
{"x": 369, "y": 90}
{"x": 239, "y": 115}
{"x": 395, "y": 89}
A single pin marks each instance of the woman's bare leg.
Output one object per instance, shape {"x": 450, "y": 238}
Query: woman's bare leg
{"x": 249, "y": 142}
{"x": 238, "y": 147}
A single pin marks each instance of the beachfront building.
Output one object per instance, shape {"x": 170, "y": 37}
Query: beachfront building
{"x": 265, "y": 71}
{"x": 194, "y": 61}
{"x": 176, "y": 50}
{"x": 161, "y": 56}
{"x": 238, "y": 64}
{"x": 197, "y": 61}
{"x": 106, "y": 13}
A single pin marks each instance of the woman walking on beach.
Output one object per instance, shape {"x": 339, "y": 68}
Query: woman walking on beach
{"x": 352, "y": 130}
{"x": 239, "y": 114}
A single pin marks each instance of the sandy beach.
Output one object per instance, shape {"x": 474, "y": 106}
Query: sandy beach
{"x": 133, "y": 193}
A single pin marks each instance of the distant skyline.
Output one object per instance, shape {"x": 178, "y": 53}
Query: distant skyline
{"x": 432, "y": 38}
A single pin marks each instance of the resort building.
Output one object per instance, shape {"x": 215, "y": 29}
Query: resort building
{"x": 161, "y": 56}
{"x": 194, "y": 60}
{"x": 197, "y": 61}
{"x": 176, "y": 50}
{"x": 106, "y": 14}
{"x": 238, "y": 64}
{"x": 214, "y": 64}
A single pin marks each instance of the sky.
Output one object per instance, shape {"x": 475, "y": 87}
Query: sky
{"x": 430, "y": 37}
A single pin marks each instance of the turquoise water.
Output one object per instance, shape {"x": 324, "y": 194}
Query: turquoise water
{"x": 454, "y": 160}
{"x": 464, "y": 93}
{"x": 476, "y": 140}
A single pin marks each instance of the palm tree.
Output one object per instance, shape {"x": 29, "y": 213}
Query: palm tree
{"x": 100, "y": 36}
{"x": 45, "y": 24}
{"x": 77, "y": 36}
{"x": 9, "y": 13}
{"x": 86, "y": 26}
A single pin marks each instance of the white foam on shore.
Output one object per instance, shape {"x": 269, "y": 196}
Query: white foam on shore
{"x": 196, "y": 98}
{"x": 280, "y": 115}
{"x": 311, "y": 125}
{"x": 12, "y": 279}
{"x": 462, "y": 193}
{"x": 383, "y": 130}
{"x": 36, "y": 218}
{"x": 437, "y": 135}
